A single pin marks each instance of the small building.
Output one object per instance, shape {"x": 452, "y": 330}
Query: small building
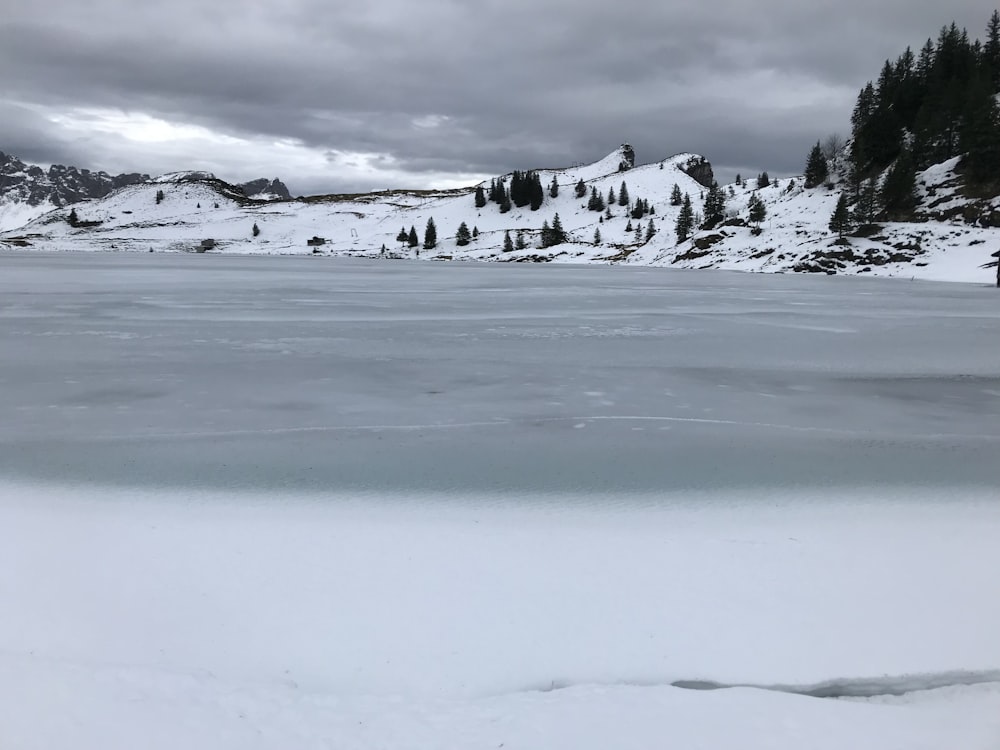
{"x": 316, "y": 242}
{"x": 206, "y": 245}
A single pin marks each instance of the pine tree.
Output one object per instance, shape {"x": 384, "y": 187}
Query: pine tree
{"x": 546, "y": 234}
{"x": 536, "y": 192}
{"x": 867, "y": 203}
{"x": 763, "y": 181}
{"x": 256, "y": 229}
{"x": 685, "y": 220}
{"x": 607, "y": 213}
{"x": 581, "y": 189}
{"x": 558, "y": 234}
{"x": 480, "y": 197}
{"x": 521, "y": 243}
{"x": 739, "y": 180}
{"x": 597, "y": 236}
{"x": 508, "y": 245}
{"x": 899, "y": 190}
{"x": 505, "y": 204}
{"x": 816, "y": 167}
{"x": 638, "y": 235}
{"x": 623, "y": 195}
{"x": 402, "y": 236}
{"x": 462, "y": 236}
{"x": 757, "y": 209}
{"x": 554, "y": 188}
{"x": 628, "y": 227}
{"x": 159, "y": 197}
{"x": 715, "y": 206}
{"x": 431, "y": 235}
{"x": 611, "y": 196}
{"x": 596, "y": 202}
{"x": 650, "y": 230}
{"x": 991, "y": 50}
{"x": 840, "y": 221}
{"x": 979, "y": 133}
{"x": 520, "y": 191}
{"x": 676, "y": 198}
{"x": 72, "y": 219}
{"x": 475, "y": 233}
{"x": 412, "y": 239}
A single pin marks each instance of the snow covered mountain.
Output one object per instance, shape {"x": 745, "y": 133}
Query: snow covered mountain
{"x": 28, "y": 191}
{"x": 794, "y": 236}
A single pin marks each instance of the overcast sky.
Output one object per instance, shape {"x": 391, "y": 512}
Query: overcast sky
{"x": 333, "y": 96}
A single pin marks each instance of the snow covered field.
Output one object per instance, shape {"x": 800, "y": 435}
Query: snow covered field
{"x": 302, "y": 502}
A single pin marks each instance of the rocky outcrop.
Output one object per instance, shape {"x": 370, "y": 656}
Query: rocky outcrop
{"x": 628, "y": 158}
{"x": 265, "y": 187}
{"x": 699, "y": 169}
{"x": 58, "y": 185}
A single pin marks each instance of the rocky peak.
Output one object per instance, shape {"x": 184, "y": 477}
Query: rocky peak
{"x": 265, "y": 187}
{"x": 699, "y": 169}
{"x": 628, "y": 158}
{"x": 59, "y": 185}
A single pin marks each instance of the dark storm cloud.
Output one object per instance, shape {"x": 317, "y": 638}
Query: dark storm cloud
{"x": 443, "y": 87}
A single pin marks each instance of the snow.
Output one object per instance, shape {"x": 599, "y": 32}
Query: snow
{"x": 794, "y": 237}
{"x": 14, "y": 214}
{"x": 292, "y": 502}
{"x": 183, "y": 176}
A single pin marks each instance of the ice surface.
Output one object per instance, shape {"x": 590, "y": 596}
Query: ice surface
{"x": 319, "y": 374}
{"x": 289, "y": 502}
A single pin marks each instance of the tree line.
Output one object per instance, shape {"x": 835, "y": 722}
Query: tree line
{"x": 928, "y": 107}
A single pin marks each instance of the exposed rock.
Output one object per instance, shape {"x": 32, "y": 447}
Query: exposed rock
{"x": 690, "y": 255}
{"x": 59, "y": 185}
{"x": 703, "y": 243}
{"x": 699, "y": 169}
{"x": 628, "y": 158}
{"x": 263, "y": 186}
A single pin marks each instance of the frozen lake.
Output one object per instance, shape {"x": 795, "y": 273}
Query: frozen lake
{"x": 267, "y": 503}
{"x": 325, "y": 375}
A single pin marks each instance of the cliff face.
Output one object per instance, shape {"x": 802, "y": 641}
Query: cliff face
{"x": 266, "y": 187}
{"x": 59, "y": 185}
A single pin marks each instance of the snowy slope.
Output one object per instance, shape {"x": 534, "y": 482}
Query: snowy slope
{"x": 794, "y": 237}
{"x": 192, "y": 210}
{"x": 14, "y": 213}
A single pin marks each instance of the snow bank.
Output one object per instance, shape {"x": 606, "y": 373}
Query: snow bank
{"x": 206, "y": 620}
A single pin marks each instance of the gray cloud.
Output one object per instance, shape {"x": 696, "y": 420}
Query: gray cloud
{"x": 395, "y": 93}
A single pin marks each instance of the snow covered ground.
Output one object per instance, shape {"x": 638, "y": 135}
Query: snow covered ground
{"x": 292, "y": 502}
{"x": 794, "y": 237}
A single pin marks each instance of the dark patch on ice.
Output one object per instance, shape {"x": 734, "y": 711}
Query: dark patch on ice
{"x": 115, "y": 395}
{"x": 845, "y": 687}
{"x": 862, "y": 687}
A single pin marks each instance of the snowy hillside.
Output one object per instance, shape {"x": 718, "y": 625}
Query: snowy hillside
{"x": 15, "y": 213}
{"x": 794, "y": 236}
